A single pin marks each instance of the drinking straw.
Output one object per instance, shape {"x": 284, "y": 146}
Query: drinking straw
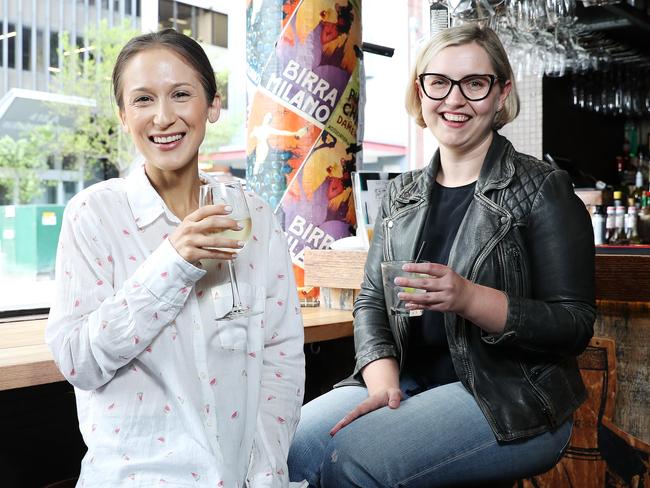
{"x": 417, "y": 258}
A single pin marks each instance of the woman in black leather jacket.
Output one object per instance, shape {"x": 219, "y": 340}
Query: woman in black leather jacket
{"x": 481, "y": 386}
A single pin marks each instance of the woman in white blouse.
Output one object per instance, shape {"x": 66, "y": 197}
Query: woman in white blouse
{"x": 167, "y": 393}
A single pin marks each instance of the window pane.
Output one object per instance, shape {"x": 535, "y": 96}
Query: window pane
{"x": 11, "y": 33}
{"x": 54, "y": 50}
{"x": 165, "y": 14}
{"x": 27, "y": 48}
{"x": 220, "y": 29}
{"x": 184, "y": 19}
{"x": 40, "y": 51}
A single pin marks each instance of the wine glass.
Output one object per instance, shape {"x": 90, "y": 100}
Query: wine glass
{"x": 480, "y": 11}
{"x": 231, "y": 193}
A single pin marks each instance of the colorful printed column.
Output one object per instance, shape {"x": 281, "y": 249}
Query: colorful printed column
{"x": 304, "y": 68}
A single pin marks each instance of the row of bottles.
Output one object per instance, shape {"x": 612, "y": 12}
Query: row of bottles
{"x": 626, "y": 220}
{"x": 623, "y": 225}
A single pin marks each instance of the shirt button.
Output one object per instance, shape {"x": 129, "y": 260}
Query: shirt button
{"x": 208, "y": 423}
{"x": 390, "y": 224}
{"x": 504, "y": 220}
{"x": 204, "y": 376}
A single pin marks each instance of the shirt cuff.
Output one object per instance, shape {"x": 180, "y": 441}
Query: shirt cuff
{"x": 167, "y": 276}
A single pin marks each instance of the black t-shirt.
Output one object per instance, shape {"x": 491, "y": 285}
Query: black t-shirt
{"x": 428, "y": 356}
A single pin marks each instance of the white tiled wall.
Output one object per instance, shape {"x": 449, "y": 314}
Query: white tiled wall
{"x": 525, "y": 132}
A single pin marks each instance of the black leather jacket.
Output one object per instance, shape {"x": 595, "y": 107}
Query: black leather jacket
{"x": 526, "y": 233}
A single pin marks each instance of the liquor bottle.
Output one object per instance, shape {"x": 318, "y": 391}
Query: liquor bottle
{"x": 620, "y": 238}
{"x": 643, "y": 223}
{"x": 631, "y": 226}
{"x": 637, "y": 193}
{"x": 598, "y": 223}
{"x": 610, "y": 225}
{"x": 641, "y": 160}
{"x": 438, "y": 16}
{"x": 618, "y": 198}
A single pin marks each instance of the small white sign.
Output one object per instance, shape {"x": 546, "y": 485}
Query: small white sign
{"x": 8, "y": 234}
{"x": 10, "y": 212}
{"x": 48, "y": 218}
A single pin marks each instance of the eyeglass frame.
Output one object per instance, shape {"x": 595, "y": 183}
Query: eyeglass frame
{"x": 493, "y": 79}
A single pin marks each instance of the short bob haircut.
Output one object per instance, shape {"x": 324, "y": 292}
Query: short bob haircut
{"x": 459, "y": 36}
{"x": 187, "y": 48}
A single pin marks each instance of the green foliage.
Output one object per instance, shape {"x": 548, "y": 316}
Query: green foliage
{"x": 220, "y": 133}
{"x": 97, "y": 133}
{"x": 20, "y": 163}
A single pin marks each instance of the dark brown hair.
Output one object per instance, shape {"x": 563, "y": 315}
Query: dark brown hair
{"x": 186, "y": 47}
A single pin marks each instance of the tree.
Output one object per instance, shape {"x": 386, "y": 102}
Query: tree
{"x": 86, "y": 72}
{"x": 20, "y": 162}
{"x": 221, "y": 132}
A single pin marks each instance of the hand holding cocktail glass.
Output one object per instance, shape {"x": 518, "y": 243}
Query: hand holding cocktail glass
{"x": 437, "y": 287}
{"x": 396, "y": 280}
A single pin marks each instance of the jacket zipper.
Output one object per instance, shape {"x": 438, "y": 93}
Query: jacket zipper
{"x": 388, "y": 252}
{"x": 463, "y": 335}
{"x": 547, "y": 408}
{"x": 519, "y": 286}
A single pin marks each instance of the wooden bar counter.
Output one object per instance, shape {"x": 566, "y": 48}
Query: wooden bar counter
{"x": 25, "y": 360}
{"x": 623, "y": 299}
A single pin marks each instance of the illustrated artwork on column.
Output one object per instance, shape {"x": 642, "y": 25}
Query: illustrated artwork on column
{"x": 303, "y": 117}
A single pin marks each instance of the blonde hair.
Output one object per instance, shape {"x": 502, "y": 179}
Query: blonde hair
{"x": 459, "y": 36}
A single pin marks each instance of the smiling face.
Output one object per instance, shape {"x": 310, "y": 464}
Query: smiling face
{"x": 165, "y": 109}
{"x": 458, "y": 124}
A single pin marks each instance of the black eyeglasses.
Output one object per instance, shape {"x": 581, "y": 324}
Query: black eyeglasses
{"x": 473, "y": 87}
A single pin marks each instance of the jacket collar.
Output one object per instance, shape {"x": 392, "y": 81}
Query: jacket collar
{"x": 497, "y": 172}
{"x": 498, "y": 167}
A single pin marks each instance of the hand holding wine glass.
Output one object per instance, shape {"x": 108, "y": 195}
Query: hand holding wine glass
{"x": 199, "y": 234}
{"x": 230, "y": 193}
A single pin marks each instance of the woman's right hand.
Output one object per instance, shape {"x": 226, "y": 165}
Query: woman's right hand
{"x": 387, "y": 397}
{"x": 200, "y": 231}
{"x": 381, "y": 377}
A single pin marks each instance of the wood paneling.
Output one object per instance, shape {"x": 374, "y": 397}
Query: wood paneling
{"x": 629, "y": 326}
{"x": 623, "y": 278}
{"x": 334, "y": 269}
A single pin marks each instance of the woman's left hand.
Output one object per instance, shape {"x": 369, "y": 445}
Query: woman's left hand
{"x": 445, "y": 290}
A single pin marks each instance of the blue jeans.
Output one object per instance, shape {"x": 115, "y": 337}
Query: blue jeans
{"x": 436, "y": 438}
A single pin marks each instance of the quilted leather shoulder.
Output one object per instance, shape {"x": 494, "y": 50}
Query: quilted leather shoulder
{"x": 528, "y": 177}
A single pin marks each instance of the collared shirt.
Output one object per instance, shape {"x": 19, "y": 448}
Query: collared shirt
{"x": 167, "y": 393}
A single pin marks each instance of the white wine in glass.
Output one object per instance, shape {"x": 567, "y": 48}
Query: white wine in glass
{"x": 239, "y": 235}
{"x": 231, "y": 193}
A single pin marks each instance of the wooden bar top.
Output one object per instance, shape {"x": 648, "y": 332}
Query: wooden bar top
{"x": 25, "y": 360}
{"x": 621, "y": 280}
